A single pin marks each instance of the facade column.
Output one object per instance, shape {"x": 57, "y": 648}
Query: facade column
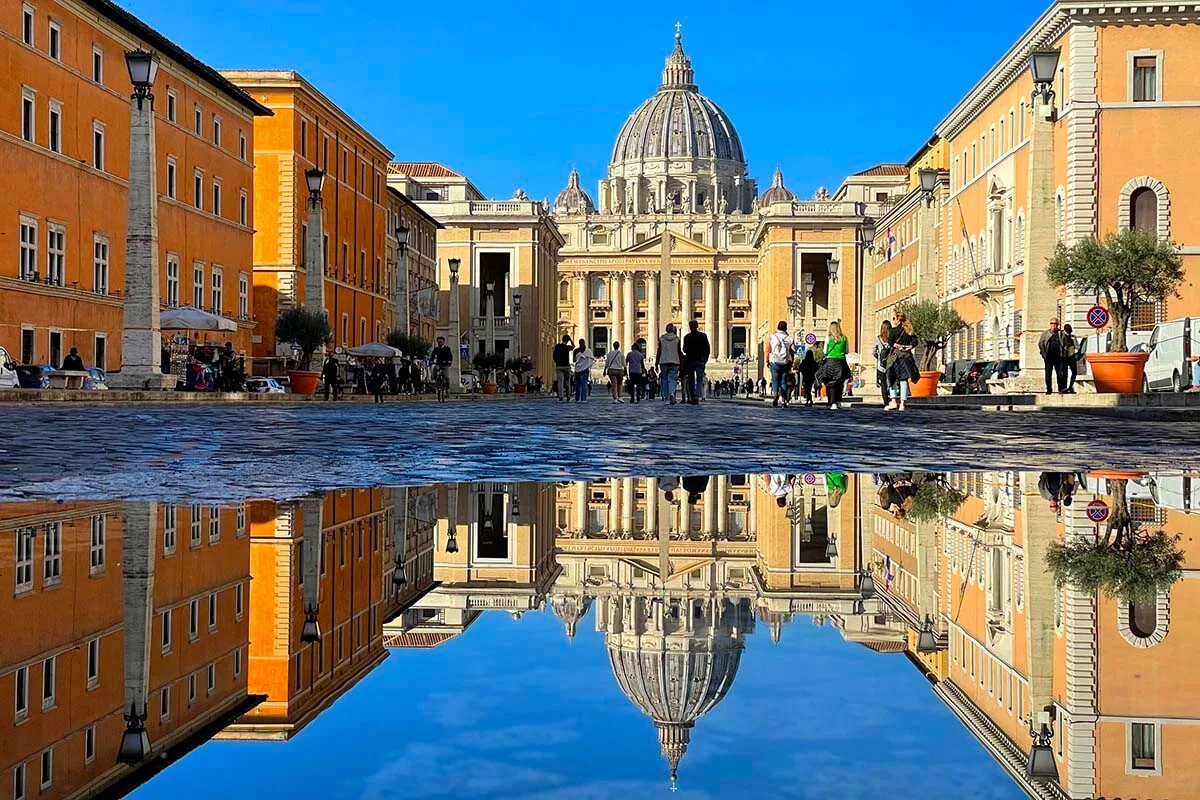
{"x": 629, "y": 333}
{"x": 710, "y": 509}
{"x": 614, "y": 505}
{"x": 652, "y": 505}
{"x": 755, "y": 343}
{"x": 1040, "y": 524}
{"x": 581, "y": 306}
{"x": 652, "y": 329}
{"x": 138, "y": 522}
{"x": 581, "y": 506}
{"x": 710, "y": 307}
{"x": 722, "y": 505}
{"x": 722, "y": 343}
{"x": 754, "y": 479}
{"x": 615, "y": 293}
{"x": 1039, "y": 299}
{"x": 627, "y": 501}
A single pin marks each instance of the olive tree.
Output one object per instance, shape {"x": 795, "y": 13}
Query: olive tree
{"x": 933, "y": 323}
{"x": 307, "y": 330}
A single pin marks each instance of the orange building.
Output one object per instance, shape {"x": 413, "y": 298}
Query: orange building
{"x": 309, "y": 131}
{"x": 66, "y": 154}
{"x": 63, "y": 672}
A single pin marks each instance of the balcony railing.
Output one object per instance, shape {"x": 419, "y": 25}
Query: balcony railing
{"x": 499, "y": 322}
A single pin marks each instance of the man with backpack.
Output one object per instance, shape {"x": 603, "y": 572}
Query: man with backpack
{"x": 781, "y": 351}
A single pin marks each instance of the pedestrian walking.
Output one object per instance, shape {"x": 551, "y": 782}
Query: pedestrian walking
{"x": 781, "y": 348}
{"x": 883, "y": 348}
{"x": 1053, "y": 348}
{"x": 379, "y": 380}
{"x": 808, "y": 376}
{"x": 652, "y": 383}
{"x": 562, "y": 368}
{"x": 583, "y": 371}
{"x": 835, "y": 371}
{"x": 329, "y": 373}
{"x": 902, "y": 364}
{"x": 635, "y": 363}
{"x": 669, "y": 357}
{"x": 696, "y": 351}
{"x": 1071, "y": 357}
{"x": 614, "y": 368}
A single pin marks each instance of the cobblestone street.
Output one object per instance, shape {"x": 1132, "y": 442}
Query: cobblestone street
{"x": 235, "y": 451}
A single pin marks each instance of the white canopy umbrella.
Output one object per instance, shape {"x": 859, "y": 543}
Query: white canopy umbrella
{"x": 189, "y": 318}
{"x": 375, "y": 350}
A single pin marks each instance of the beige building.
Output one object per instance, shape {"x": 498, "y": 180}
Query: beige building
{"x": 412, "y": 266}
{"x": 508, "y": 251}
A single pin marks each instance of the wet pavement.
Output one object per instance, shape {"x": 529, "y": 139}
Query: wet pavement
{"x": 235, "y": 451}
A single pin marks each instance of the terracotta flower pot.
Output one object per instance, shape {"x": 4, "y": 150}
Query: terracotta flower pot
{"x": 304, "y": 381}
{"x": 1118, "y": 373}
{"x": 491, "y": 388}
{"x": 519, "y": 388}
{"x": 1117, "y": 475}
{"x": 927, "y": 386}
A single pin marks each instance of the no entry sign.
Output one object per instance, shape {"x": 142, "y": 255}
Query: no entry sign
{"x": 1097, "y": 511}
{"x": 1097, "y": 317}
{"x": 809, "y": 478}
{"x": 810, "y": 339}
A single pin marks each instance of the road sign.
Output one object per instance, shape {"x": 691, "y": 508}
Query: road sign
{"x": 809, "y": 478}
{"x": 1097, "y": 316}
{"x": 810, "y": 339}
{"x": 1097, "y": 511}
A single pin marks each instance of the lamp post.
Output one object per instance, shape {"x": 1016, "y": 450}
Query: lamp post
{"x": 455, "y": 376}
{"x": 866, "y": 584}
{"x": 928, "y": 184}
{"x": 833, "y": 265}
{"x": 314, "y": 244}
{"x": 1043, "y": 66}
{"x": 869, "y": 229}
{"x": 313, "y": 509}
{"x": 137, "y": 601}
{"x": 141, "y": 333}
{"x": 405, "y": 293}
{"x": 516, "y": 304}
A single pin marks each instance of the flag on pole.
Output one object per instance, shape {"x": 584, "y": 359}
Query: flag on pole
{"x": 891, "y": 243}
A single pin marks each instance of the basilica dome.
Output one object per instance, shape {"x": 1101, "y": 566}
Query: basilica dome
{"x": 573, "y": 199}
{"x": 678, "y": 121}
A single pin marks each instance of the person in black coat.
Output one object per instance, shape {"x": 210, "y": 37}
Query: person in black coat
{"x": 329, "y": 373}
{"x": 808, "y": 376}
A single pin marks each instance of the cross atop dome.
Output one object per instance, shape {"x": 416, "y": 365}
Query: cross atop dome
{"x": 678, "y": 72}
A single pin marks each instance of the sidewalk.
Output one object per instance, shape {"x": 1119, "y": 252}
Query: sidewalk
{"x": 125, "y": 396}
{"x": 1154, "y": 406}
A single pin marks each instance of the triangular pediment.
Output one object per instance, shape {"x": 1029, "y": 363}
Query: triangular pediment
{"x": 680, "y": 246}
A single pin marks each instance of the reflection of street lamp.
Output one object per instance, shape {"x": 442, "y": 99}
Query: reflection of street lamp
{"x": 452, "y": 543}
{"x": 866, "y": 584}
{"x": 311, "y": 632}
{"x": 455, "y": 376}
{"x": 135, "y": 742}
{"x": 1040, "y": 765}
{"x": 831, "y": 551}
{"x": 926, "y": 640}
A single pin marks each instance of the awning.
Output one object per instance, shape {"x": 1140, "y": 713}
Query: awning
{"x": 375, "y": 350}
{"x": 188, "y": 318}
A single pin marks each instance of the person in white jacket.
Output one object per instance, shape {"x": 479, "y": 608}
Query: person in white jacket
{"x": 583, "y": 370}
{"x": 614, "y": 368}
{"x": 781, "y": 350}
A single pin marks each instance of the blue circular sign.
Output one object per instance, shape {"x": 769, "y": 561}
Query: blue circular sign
{"x": 1097, "y": 317}
{"x": 810, "y": 339}
{"x": 1097, "y": 511}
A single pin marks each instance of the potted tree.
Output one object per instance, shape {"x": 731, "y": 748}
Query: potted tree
{"x": 1126, "y": 268}
{"x": 487, "y": 364}
{"x": 521, "y": 365}
{"x": 933, "y": 323}
{"x": 307, "y": 330}
{"x": 1124, "y": 562}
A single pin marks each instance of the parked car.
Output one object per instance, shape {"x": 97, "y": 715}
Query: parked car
{"x": 34, "y": 376}
{"x": 261, "y": 385}
{"x": 1171, "y": 345}
{"x": 96, "y": 381}
{"x": 8, "y": 371}
{"x": 1004, "y": 368}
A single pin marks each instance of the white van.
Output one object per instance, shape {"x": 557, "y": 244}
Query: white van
{"x": 8, "y": 376}
{"x": 1171, "y": 345}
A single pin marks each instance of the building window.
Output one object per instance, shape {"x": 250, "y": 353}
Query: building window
{"x": 89, "y": 745}
{"x": 52, "y": 555}
{"x": 198, "y": 189}
{"x": 99, "y": 541}
{"x": 214, "y": 513}
{"x": 101, "y": 345}
{"x": 191, "y": 688}
{"x": 48, "y": 681}
{"x": 212, "y": 611}
{"x": 216, "y": 130}
{"x": 238, "y": 600}
{"x": 164, "y": 703}
{"x": 237, "y": 663}
{"x": 304, "y": 138}
{"x": 93, "y": 663}
{"x": 54, "y": 137}
{"x": 169, "y": 530}
{"x": 1143, "y": 746}
{"x": 243, "y": 313}
{"x": 194, "y": 529}
{"x": 98, "y": 145}
{"x": 212, "y": 678}
{"x": 198, "y": 121}
{"x": 54, "y": 43}
{"x": 28, "y": 114}
{"x": 28, "y": 263}
{"x": 243, "y": 207}
{"x": 1143, "y": 210}
{"x": 19, "y": 782}
{"x": 24, "y": 559}
{"x": 193, "y": 619}
{"x": 97, "y": 65}
{"x": 198, "y": 286}
{"x": 27, "y": 25}
{"x": 243, "y": 147}
{"x": 56, "y": 257}
{"x": 172, "y": 181}
{"x": 166, "y": 631}
{"x": 172, "y": 280}
{"x": 100, "y": 264}
{"x": 170, "y": 105}
{"x": 47, "y": 769}
{"x": 27, "y": 348}
{"x": 1145, "y": 79}
{"x": 216, "y": 192}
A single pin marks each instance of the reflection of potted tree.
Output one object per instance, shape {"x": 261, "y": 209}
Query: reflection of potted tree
{"x": 521, "y": 365}
{"x": 1127, "y": 268}
{"x": 1125, "y": 562}
{"x": 307, "y": 330}
{"x": 410, "y": 344}
{"x": 487, "y": 364}
{"x": 933, "y": 323}
{"x": 935, "y": 500}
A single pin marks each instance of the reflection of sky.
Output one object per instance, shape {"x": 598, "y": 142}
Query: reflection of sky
{"x": 513, "y": 710}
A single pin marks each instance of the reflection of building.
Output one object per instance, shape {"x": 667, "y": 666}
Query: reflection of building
{"x": 680, "y": 232}
{"x": 508, "y": 250}
{"x": 120, "y": 605}
{"x": 332, "y": 552}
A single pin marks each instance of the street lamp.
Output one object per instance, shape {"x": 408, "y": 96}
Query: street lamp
{"x": 928, "y": 184}
{"x": 1040, "y": 765}
{"x": 454, "y": 263}
{"x": 311, "y": 632}
{"x": 452, "y": 544}
{"x": 402, "y": 237}
{"x": 833, "y": 264}
{"x": 398, "y": 577}
{"x": 135, "y": 742}
{"x": 869, "y": 229}
{"x": 143, "y": 69}
{"x": 1043, "y": 66}
{"x": 315, "y": 179}
{"x": 926, "y": 640}
{"x": 866, "y": 584}
{"x": 831, "y": 550}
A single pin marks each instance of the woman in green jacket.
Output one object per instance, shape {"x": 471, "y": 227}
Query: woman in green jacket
{"x": 835, "y": 371}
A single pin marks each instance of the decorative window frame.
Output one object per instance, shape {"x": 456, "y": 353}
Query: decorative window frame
{"x": 1163, "y": 615}
{"x": 1130, "y": 55}
{"x": 1160, "y": 190}
{"x": 1158, "y": 752}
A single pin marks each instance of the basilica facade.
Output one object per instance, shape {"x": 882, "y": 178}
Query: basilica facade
{"x": 681, "y": 232}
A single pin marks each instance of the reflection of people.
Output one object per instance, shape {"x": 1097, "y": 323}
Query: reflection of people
{"x": 835, "y": 488}
{"x": 695, "y": 486}
{"x": 780, "y": 487}
{"x": 896, "y": 494}
{"x": 1059, "y": 488}
{"x": 668, "y": 487}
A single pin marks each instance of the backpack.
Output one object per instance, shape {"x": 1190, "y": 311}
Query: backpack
{"x": 780, "y": 351}
{"x": 1070, "y": 345}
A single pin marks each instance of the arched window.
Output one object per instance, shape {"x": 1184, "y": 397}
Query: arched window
{"x": 1143, "y": 619}
{"x": 1143, "y": 210}
{"x": 599, "y": 289}
{"x": 739, "y": 289}
{"x": 1145, "y": 624}
{"x": 640, "y": 288}
{"x": 564, "y": 291}
{"x": 1019, "y": 245}
{"x": 697, "y": 291}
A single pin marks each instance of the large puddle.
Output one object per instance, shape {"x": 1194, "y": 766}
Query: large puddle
{"x": 746, "y": 635}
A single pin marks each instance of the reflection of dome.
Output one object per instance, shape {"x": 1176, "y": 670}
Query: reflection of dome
{"x": 778, "y": 193}
{"x": 677, "y": 669}
{"x": 573, "y": 199}
{"x": 678, "y": 121}
{"x": 775, "y": 621}
{"x": 570, "y": 609}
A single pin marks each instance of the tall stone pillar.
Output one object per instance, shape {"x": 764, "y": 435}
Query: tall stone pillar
{"x": 665, "y": 310}
{"x": 710, "y": 306}
{"x": 721, "y": 344}
{"x": 313, "y": 509}
{"x": 615, "y": 293}
{"x": 581, "y": 306}
{"x": 1041, "y": 525}
{"x": 652, "y": 506}
{"x": 652, "y": 306}
{"x": 141, "y": 334}
{"x": 710, "y": 509}
{"x": 756, "y": 341}
{"x": 628, "y": 334}
{"x": 614, "y": 505}
{"x": 754, "y": 480}
{"x": 454, "y": 373}
{"x": 137, "y": 619}
{"x": 1039, "y": 299}
{"x": 627, "y": 501}
{"x": 581, "y": 505}
{"x": 722, "y": 505}
{"x": 314, "y": 258}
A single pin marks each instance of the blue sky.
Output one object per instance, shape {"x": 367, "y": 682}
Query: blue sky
{"x": 511, "y": 709}
{"x": 514, "y": 94}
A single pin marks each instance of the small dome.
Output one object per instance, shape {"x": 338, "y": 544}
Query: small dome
{"x": 570, "y": 609}
{"x": 778, "y": 193}
{"x": 573, "y": 199}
